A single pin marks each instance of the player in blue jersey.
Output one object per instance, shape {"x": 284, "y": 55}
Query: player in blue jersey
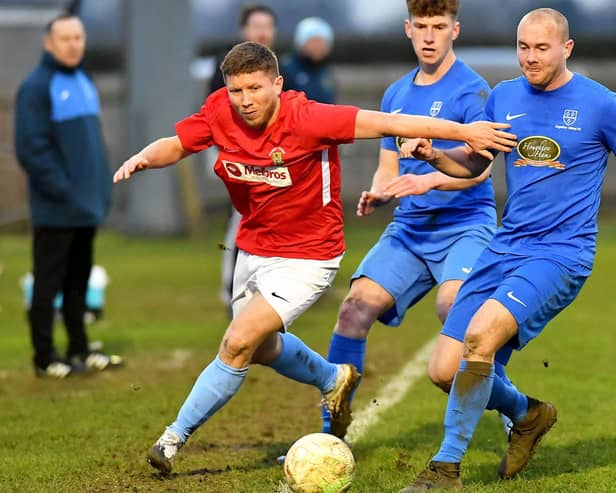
{"x": 540, "y": 257}
{"x": 441, "y": 223}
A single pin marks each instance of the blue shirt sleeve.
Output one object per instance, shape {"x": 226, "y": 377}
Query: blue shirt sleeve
{"x": 488, "y": 109}
{"x": 472, "y": 102}
{"x": 34, "y": 144}
{"x": 388, "y": 143}
{"x": 608, "y": 128}
{"x": 488, "y": 115}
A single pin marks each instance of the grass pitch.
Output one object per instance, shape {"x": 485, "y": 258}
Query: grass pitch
{"x": 91, "y": 433}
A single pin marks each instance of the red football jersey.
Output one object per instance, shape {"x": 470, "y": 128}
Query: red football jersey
{"x": 285, "y": 179}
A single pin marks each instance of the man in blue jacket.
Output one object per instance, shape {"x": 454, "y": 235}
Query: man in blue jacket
{"x": 60, "y": 145}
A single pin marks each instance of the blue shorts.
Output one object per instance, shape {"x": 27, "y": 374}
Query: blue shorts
{"x": 533, "y": 289}
{"x": 408, "y": 262}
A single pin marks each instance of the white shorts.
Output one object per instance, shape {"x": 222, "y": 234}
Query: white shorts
{"x": 289, "y": 285}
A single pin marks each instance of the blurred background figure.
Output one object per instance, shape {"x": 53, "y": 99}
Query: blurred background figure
{"x": 95, "y": 296}
{"x": 307, "y": 69}
{"x": 257, "y": 23}
{"x": 59, "y": 143}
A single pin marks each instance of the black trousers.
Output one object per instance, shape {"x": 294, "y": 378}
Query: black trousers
{"x": 62, "y": 262}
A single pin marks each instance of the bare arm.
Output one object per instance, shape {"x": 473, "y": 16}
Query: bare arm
{"x": 460, "y": 162}
{"x": 449, "y": 183}
{"x": 160, "y": 153}
{"x": 411, "y": 184}
{"x": 387, "y": 170}
{"x": 478, "y": 135}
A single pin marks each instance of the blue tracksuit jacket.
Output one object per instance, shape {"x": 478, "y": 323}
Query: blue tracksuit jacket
{"x": 59, "y": 143}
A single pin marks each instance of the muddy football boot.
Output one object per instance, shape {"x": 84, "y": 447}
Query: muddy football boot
{"x": 438, "y": 475}
{"x": 161, "y": 455}
{"x": 525, "y": 436}
{"x": 338, "y": 400}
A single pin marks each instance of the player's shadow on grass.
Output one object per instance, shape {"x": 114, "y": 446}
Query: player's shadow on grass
{"x": 268, "y": 453}
{"x": 549, "y": 460}
{"x": 554, "y": 460}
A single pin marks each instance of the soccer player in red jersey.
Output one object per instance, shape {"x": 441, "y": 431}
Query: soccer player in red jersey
{"x": 279, "y": 161}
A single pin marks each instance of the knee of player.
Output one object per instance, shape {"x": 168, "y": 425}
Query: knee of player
{"x": 235, "y": 346}
{"x": 477, "y": 344}
{"x": 355, "y": 317}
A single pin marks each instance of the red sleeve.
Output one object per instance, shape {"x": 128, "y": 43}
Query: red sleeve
{"x": 195, "y": 132}
{"x": 329, "y": 124}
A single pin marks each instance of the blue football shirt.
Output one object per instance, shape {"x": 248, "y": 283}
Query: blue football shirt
{"x": 460, "y": 95}
{"x": 554, "y": 175}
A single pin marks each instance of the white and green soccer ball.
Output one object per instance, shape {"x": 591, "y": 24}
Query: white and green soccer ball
{"x": 319, "y": 463}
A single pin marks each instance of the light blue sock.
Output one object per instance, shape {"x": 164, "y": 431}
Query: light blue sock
{"x": 298, "y": 362}
{"x": 507, "y": 400}
{"x": 344, "y": 350}
{"x": 468, "y": 397}
{"x": 215, "y": 386}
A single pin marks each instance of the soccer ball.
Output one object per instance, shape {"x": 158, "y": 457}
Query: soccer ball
{"x": 319, "y": 463}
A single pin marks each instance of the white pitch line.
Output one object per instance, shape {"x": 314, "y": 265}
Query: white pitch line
{"x": 176, "y": 360}
{"x": 391, "y": 394}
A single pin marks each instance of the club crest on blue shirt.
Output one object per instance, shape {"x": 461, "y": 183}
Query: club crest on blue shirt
{"x": 539, "y": 151}
{"x": 569, "y": 117}
{"x": 435, "y": 109}
{"x": 400, "y": 141}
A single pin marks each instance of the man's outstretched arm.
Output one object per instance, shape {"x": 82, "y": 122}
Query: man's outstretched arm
{"x": 160, "y": 153}
{"x": 478, "y": 135}
{"x": 459, "y": 162}
{"x": 386, "y": 171}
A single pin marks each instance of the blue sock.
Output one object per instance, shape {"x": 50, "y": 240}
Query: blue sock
{"x": 299, "y": 362}
{"x": 344, "y": 350}
{"x": 217, "y": 383}
{"x": 507, "y": 400}
{"x": 499, "y": 369}
{"x": 468, "y": 397}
